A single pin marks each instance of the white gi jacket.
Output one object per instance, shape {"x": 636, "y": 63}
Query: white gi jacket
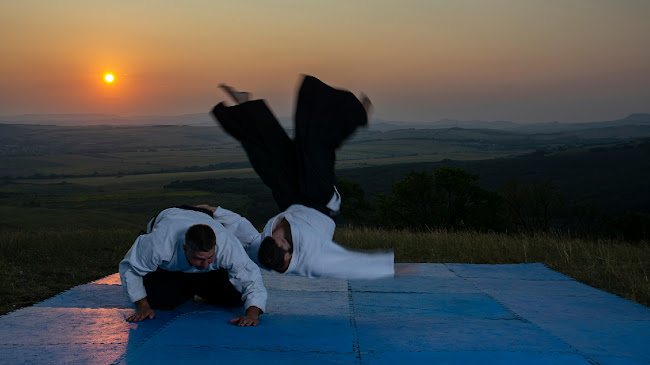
{"x": 163, "y": 248}
{"x": 314, "y": 252}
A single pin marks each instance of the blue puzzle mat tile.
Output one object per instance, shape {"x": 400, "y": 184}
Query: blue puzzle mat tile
{"x": 90, "y": 354}
{"x": 193, "y": 306}
{"x": 298, "y": 283}
{"x": 64, "y": 325}
{"x": 276, "y": 333}
{"x": 415, "y": 284}
{"x": 629, "y": 338}
{"x": 56, "y": 326}
{"x": 414, "y": 334}
{"x": 89, "y": 296}
{"x": 614, "y": 360}
{"x": 173, "y": 354}
{"x": 324, "y": 304}
{"x": 536, "y": 288}
{"x": 474, "y": 357}
{"x": 470, "y": 305}
{"x": 603, "y": 308}
{"x": 517, "y": 271}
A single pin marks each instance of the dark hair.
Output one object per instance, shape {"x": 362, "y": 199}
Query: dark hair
{"x": 270, "y": 255}
{"x": 200, "y": 237}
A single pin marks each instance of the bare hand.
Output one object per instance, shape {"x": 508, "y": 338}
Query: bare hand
{"x": 205, "y": 206}
{"x": 143, "y": 311}
{"x": 367, "y": 104}
{"x": 245, "y": 321}
{"x": 251, "y": 318}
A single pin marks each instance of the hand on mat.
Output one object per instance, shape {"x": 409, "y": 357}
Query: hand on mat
{"x": 143, "y": 311}
{"x": 251, "y": 318}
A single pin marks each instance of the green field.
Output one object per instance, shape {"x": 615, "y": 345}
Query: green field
{"x": 106, "y": 150}
{"x": 87, "y": 175}
{"x": 102, "y": 202}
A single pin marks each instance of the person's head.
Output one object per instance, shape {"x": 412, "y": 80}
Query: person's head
{"x": 275, "y": 255}
{"x": 200, "y": 245}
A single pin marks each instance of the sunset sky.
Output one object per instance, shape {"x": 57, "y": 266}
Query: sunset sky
{"x": 418, "y": 60}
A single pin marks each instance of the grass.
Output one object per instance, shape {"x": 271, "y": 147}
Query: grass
{"x": 37, "y": 264}
{"x": 144, "y": 181}
{"x": 126, "y": 162}
{"x": 109, "y": 150}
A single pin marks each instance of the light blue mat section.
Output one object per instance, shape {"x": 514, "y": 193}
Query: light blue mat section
{"x": 440, "y": 314}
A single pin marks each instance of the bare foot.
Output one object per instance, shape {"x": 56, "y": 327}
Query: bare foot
{"x": 199, "y": 299}
{"x": 367, "y": 104}
{"x": 238, "y": 96}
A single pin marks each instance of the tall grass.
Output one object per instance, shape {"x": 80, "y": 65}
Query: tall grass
{"x": 38, "y": 264}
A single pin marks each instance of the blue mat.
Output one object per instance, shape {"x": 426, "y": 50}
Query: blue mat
{"x": 442, "y": 314}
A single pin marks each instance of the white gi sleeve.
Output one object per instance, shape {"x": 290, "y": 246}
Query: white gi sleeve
{"x": 328, "y": 259}
{"x": 140, "y": 260}
{"x": 239, "y": 226}
{"x": 313, "y": 218}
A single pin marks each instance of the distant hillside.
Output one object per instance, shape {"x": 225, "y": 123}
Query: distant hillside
{"x": 638, "y": 119}
{"x": 150, "y": 148}
{"x": 35, "y": 139}
{"x": 385, "y": 126}
{"x": 497, "y": 139}
{"x": 32, "y": 139}
{"x": 614, "y": 177}
{"x": 204, "y": 119}
{"x": 108, "y": 119}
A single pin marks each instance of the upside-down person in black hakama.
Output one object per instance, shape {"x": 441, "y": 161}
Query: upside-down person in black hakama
{"x": 300, "y": 174}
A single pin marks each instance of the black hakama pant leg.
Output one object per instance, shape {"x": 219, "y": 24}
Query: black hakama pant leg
{"x": 325, "y": 117}
{"x": 270, "y": 151}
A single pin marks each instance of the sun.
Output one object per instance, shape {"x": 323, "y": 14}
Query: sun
{"x": 109, "y": 78}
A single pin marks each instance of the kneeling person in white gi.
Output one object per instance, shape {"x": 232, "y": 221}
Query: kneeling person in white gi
{"x": 187, "y": 253}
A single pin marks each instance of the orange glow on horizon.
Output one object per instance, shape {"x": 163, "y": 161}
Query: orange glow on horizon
{"x": 417, "y": 60}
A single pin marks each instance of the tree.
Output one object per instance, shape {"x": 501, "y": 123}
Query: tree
{"x": 467, "y": 204}
{"x": 354, "y": 205}
{"x": 457, "y": 189}
{"x": 533, "y": 207}
{"x": 633, "y": 226}
{"x": 413, "y": 203}
{"x": 447, "y": 198}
